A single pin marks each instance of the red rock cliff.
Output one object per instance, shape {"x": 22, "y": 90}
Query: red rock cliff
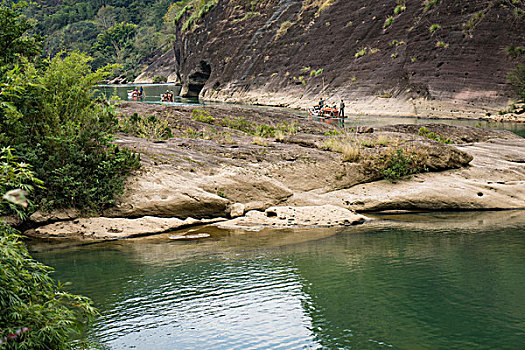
{"x": 426, "y": 58}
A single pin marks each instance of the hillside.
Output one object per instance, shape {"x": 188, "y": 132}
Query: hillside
{"x": 112, "y": 31}
{"x": 424, "y": 58}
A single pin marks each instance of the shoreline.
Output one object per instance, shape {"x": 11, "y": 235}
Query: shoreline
{"x": 211, "y": 168}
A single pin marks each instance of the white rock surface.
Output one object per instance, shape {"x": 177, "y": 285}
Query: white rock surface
{"x": 286, "y": 216}
{"x": 113, "y": 228}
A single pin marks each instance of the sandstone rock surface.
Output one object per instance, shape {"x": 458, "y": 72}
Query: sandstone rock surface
{"x": 286, "y": 216}
{"x": 297, "y": 175}
{"x": 112, "y": 228}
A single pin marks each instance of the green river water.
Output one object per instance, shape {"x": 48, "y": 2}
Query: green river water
{"x": 418, "y": 281}
{"x": 154, "y": 91}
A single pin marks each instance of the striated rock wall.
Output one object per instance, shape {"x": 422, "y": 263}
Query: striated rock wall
{"x": 446, "y": 59}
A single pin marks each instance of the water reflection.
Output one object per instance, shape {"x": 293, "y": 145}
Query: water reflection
{"x": 412, "y": 283}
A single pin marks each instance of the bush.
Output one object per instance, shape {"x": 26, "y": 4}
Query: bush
{"x": 239, "y": 123}
{"x": 283, "y": 29}
{"x": 515, "y": 51}
{"x": 160, "y": 79}
{"x": 350, "y": 151}
{"x": 35, "y": 312}
{"x": 15, "y": 176}
{"x": 517, "y": 79}
{"x": 202, "y": 116}
{"x": 388, "y": 22}
{"x": 361, "y": 52}
{"x": 429, "y": 4}
{"x": 315, "y": 73}
{"x": 432, "y": 135}
{"x": 398, "y": 165}
{"x": 149, "y": 127}
{"x": 399, "y": 9}
{"x": 433, "y": 28}
{"x": 55, "y": 125}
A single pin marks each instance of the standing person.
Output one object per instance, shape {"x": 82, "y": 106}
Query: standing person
{"x": 321, "y": 103}
{"x": 141, "y": 92}
{"x": 342, "y": 109}
{"x": 171, "y": 96}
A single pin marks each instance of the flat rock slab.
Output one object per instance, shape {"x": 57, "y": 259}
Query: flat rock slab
{"x": 113, "y": 228}
{"x": 287, "y": 216}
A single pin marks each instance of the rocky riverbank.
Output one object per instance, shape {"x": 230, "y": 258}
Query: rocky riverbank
{"x": 227, "y": 161}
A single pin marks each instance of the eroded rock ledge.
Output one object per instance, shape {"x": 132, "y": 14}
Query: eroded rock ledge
{"x": 113, "y": 228}
{"x": 284, "y": 217}
{"x": 222, "y": 171}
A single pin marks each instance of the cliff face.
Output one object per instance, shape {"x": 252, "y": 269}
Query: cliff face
{"x": 426, "y": 58}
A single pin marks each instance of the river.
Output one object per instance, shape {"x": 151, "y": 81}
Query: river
{"x": 154, "y": 91}
{"x": 412, "y": 281}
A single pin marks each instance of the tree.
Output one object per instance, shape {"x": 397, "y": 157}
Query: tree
{"x": 116, "y": 41}
{"x": 517, "y": 79}
{"x": 14, "y": 43}
{"x": 49, "y": 117}
{"x": 35, "y": 311}
{"x": 106, "y": 17}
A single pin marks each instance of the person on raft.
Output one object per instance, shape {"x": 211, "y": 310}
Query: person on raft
{"x": 342, "y": 109}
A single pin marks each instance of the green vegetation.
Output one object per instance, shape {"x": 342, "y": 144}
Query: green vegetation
{"x": 315, "y": 73}
{"x": 321, "y": 5}
{"x": 283, "y": 29}
{"x": 149, "y": 127}
{"x": 432, "y": 135}
{"x": 388, "y": 22}
{"x": 278, "y": 131}
{"x": 18, "y": 177}
{"x": 110, "y": 31}
{"x": 398, "y": 165}
{"x": 473, "y": 21}
{"x": 49, "y": 118}
{"x": 197, "y": 10}
{"x": 361, "y": 52}
{"x": 399, "y": 9}
{"x": 347, "y": 147}
{"x": 433, "y": 28}
{"x": 429, "y": 4}
{"x": 517, "y": 79}
{"x": 441, "y": 44}
{"x": 160, "y": 79}
{"x": 202, "y": 116}
{"x": 239, "y": 123}
{"x": 515, "y": 51}
{"x": 35, "y": 311}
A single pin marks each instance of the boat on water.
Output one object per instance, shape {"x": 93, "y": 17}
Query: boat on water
{"x": 327, "y": 114}
{"x": 323, "y": 111}
{"x": 134, "y": 95}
